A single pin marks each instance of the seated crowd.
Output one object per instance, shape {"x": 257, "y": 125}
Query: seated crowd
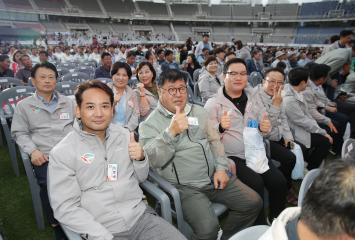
{"x": 113, "y": 133}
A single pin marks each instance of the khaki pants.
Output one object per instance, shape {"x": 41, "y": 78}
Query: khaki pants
{"x": 243, "y": 204}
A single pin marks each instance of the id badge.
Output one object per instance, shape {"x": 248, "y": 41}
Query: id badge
{"x": 64, "y": 116}
{"x": 192, "y": 121}
{"x": 112, "y": 172}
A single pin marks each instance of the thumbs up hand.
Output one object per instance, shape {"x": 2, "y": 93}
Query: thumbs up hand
{"x": 265, "y": 124}
{"x": 225, "y": 120}
{"x": 179, "y": 122}
{"x": 135, "y": 150}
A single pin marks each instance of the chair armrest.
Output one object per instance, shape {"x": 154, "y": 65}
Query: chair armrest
{"x": 161, "y": 197}
{"x": 173, "y": 193}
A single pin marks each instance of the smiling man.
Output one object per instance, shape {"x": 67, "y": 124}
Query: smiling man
{"x": 185, "y": 149}
{"x": 94, "y": 187}
{"x": 39, "y": 123}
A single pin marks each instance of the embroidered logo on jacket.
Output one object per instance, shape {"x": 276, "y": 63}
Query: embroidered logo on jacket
{"x": 87, "y": 158}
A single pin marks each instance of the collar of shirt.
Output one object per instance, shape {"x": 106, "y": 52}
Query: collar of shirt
{"x": 169, "y": 114}
{"x": 52, "y": 104}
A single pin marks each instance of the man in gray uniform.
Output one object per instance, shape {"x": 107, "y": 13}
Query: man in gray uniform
{"x": 184, "y": 147}
{"x": 39, "y": 123}
{"x": 94, "y": 187}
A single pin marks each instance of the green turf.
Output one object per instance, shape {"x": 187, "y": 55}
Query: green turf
{"x": 17, "y": 220}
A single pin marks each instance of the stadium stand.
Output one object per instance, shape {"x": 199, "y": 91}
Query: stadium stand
{"x": 50, "y": 5}
{"x": 279, "y": 11}
{"x": 220, "y": 11}
{"x": 153, "y": 9}
{"x": 184, "y": 9}
{"x": 91, "y": 7}
{"x": 242, "y": 11}
{"x": 316, "y": 9}
{"x": 17, "y": 4}
{"x": 118, "y": 8}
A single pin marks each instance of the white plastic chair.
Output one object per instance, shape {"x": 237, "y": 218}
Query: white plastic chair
{"x": 306, "y": 184}
{"x": 251, "y": 233}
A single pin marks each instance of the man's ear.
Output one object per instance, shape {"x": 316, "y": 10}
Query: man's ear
{"x": 77, "y": 112}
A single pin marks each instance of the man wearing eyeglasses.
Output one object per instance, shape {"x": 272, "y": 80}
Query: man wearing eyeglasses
{"x": 229, "y": 110}
{"x": 185, "y": 149}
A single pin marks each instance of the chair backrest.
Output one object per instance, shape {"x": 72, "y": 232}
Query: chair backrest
{"x": 67, "y": 65}
{"x": 104, "y": 80}
{"x": 348, "y": 149}
{"x": 255, "y": 78}
{"x": 188, "y": 79}
{"x": 306, "y": 184}
{"x": 66, "y": 88}
{"x": 133, "y": 82}
{"x": 196, "y": 74}
{"x": 251, "y": 233}
{"x": 91, "y": 63}
{"x": 9, "y": 82}
{"x": 62, "y": 71}
{"x": 11, "y": 96}
{"x": 75, "y": 77}
{"x": 86, "y": 69}
{"x": 197, "y": 92}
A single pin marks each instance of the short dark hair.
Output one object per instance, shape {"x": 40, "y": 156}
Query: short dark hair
{"x": 329, "y": 206}
{"x": 43, "y": 52}
{"x": 334, "y": 38}
{"x": 205, "y": 48}
{"x": 274, "y": 70}
{"x": 148, "y": 54}
{"x": 170, "y": 75}
{"x": 233, "y": 61}
{"x": 345, "y": 33}
{"x": 82, "y": 87}
{"x": 210, "y": 59}
{"x": 255, "y": 51}
{"x": 218, "y": 50}
{"x": 297, "y": 75}
{"x": 281, "y": 65}
{"x": 118, "y": 65}
{"x": 142, "y": 64}
{"x": 159, "y": 51}
{"x": 130, "y": 54}
{"x": 318, "y": 71}
{"x": 3, "y": 57}
{"x": 168, "y": 52}
{"x": 230, "y": 53}
{"x": 105, "y": 54}
{"x": 23, "y": 56}
{"x": 47, "y": 65}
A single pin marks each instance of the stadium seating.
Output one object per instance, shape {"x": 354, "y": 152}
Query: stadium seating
{"x": 316, "y": 9}
{"x": 17, "y": 4}
{"x": 119, "y": 7}
{"x": 50, "y": 5}
{"x": 180, "y": 10}
{"x": 220, "y": 11}
{"x": 154, "y": 9}
{"x": 348, "y": 7}
{"x": 242, "y": 11}
{"x": 282, "y": 11}
{"x": 91, "y": 7}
